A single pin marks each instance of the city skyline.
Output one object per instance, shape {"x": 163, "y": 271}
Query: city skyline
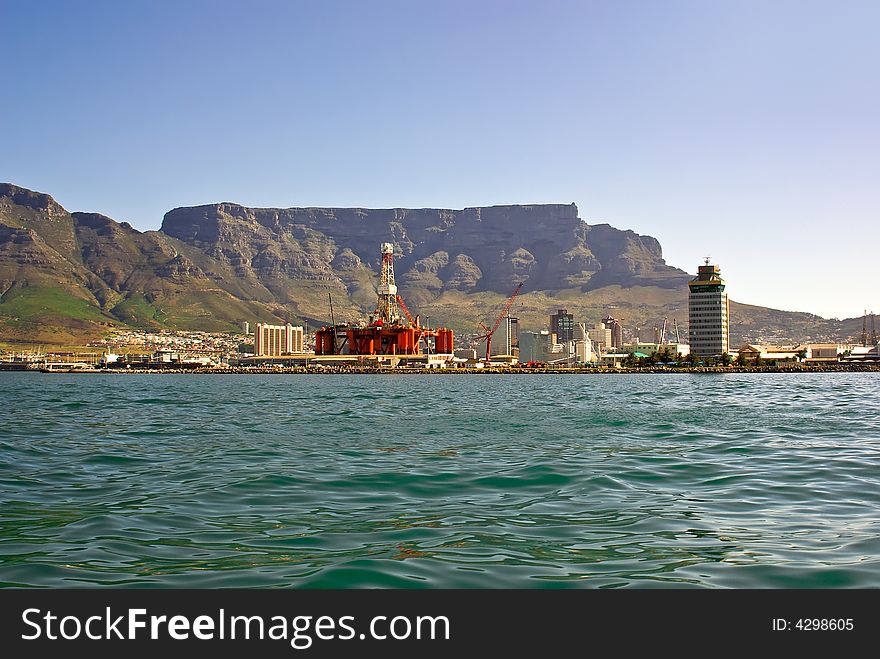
{"x": 743, "y": 131}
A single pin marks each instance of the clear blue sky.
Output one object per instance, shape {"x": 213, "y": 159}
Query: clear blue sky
{"x": 746, "y": 130}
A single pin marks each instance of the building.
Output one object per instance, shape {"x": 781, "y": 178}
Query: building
{"x": 752, "y": 353}
{"x": 616, "y": 331}
{"x": 534, "y": 346}
{"x": 613, "y": 359}
{"x": 862, "y": 354}
{"x": 182, "y": 358}
{"x": 506, "y": 338}
{"x": 670, "y": 351}
{"x": 817, "y": 353}
{"x": 708, "y": 313}
{"x": 245, "y": 327}
{"x": 602, "y": 337}
{"x": 583, "y": 346}
{"x": 562, "y": 325}
{"x": 276, "y": 340}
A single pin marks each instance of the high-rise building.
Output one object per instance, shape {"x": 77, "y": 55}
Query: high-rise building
{"x": 276, "y": 340}
{"x": 506, "y": 339}
{"x": 562, "y": 325}
{"x": 616, "y": 331}
{"x": 708, "y": 313}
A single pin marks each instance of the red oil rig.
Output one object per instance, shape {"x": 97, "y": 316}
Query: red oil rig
{"x": 390, "y": 329}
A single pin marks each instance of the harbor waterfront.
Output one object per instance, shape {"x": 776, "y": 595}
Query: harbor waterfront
{"x": 737, "y": 480}
{"x": 366, "y": 370}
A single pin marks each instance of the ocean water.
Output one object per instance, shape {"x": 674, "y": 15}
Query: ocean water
{"x": 474, "y": 481}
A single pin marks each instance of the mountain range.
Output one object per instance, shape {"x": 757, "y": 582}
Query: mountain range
{"x": 66, "y": 277}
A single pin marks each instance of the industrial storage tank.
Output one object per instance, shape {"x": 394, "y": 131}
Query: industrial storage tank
{"x": 445, "y": 342}
{"x": 324, "y": 341}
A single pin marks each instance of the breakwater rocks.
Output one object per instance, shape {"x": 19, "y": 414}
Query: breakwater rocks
{"x": 363, "y": 370}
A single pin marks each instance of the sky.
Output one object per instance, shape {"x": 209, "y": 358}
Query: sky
{"x": 747, "y": 131}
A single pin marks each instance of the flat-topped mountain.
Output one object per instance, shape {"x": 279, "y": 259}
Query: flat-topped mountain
{"x": 66, "y": 275}
{"x": 471, "y": 250}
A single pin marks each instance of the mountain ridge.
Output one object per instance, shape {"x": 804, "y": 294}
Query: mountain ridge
{"x": 211, "y": 266}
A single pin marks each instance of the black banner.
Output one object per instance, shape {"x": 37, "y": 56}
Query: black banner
{"x": 315, "y": 623}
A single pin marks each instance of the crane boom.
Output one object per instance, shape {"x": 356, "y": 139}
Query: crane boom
{"x": 405, "y": 310}
{"x": 490, "y": 332}
{"x": 507, "y": 306}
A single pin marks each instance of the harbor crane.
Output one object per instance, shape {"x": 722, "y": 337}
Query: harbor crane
{"x": 412, "y": 321}
{"x": 490, "y": 332}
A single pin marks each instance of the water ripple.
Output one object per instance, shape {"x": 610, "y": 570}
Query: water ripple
{"x": 734, "y": 480}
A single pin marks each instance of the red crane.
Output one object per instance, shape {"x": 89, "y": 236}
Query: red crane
{"x": 490, "y": 332}
{"x": 405, "y": 311}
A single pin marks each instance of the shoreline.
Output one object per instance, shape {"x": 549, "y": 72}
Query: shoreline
{"x": 355, "y": 370}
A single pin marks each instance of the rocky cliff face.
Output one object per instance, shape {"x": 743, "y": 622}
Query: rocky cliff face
{"x": 470, "y": 250}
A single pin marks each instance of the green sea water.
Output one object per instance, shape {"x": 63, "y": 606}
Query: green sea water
{"x": 474, "y": 481}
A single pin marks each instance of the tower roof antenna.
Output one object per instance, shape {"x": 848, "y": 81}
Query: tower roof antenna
{"x": 707, "y": 259}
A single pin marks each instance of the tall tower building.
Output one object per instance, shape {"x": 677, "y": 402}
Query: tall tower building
{"x": 506, "y": 339}
{"x": 562, "y": 324}
{"x": 708, "y": 313}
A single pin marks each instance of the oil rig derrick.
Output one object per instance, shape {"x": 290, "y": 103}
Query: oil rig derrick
{"x": 387, "y": 308}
